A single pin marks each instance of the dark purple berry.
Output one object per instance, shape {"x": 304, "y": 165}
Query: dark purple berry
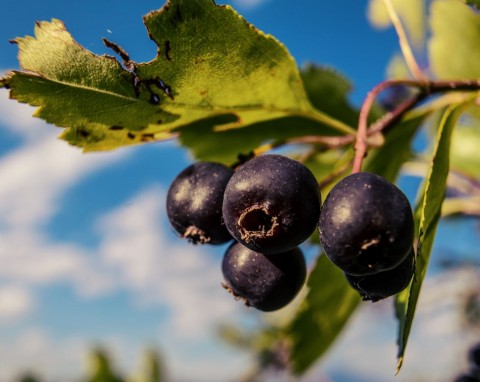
{"x": 266, "y": 282}
{"x": 366, "y": 224}
{"x": 467, "y": 378}
{"x": 271, "y": 204}
{"x": 194, "y": 203}
{"x": 384, "y": 284}
{"x": 474, "y": 356}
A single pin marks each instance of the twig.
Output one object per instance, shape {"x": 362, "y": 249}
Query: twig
{"x": 361, "y": 138}
{"x": 426, "y": 88}
{"x": 404, "y": 44}
{"x": 389, "y": 119}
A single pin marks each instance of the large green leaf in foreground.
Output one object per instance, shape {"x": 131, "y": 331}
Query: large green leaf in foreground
{"x": 428, "y": 215}
{"x": 220, "y": 69}
{"x": 331, "y": 301}
{"x": 329, "y": 304}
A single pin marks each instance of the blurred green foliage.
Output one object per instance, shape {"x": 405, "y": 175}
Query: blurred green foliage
{"x": 101, "y": 368}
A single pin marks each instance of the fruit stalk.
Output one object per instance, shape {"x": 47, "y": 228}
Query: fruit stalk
{"x": 426, "y": 88}
{"x": 403, "y": 42}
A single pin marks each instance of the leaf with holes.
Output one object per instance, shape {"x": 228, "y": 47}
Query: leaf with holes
{"x": 209, "y": 65}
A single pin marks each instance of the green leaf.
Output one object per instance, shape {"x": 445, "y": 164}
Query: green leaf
{"x": 28, "y": 378}
{"x": 153, "y": 369}
{"x": 411, "y": 12}
{"x": 327, "y": 90}
{"x": 428, "y": 214}
{"x": 320, "y": 318}
{"x": 453, "y": 47}
{"x": 465, "y": 156}
{"x": 329, "y": 304}
{"x": 326, "y": 164}
{"x": 473, "y": 3}
{"x": 212, "y": 68}
{"x": 205, "y": 143}
{"x": 397, "y": 67}
{"x": 101, "y": 368}
{"x": 397, "y": 147}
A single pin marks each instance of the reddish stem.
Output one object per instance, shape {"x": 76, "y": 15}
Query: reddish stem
{"x": 426, "y": 89}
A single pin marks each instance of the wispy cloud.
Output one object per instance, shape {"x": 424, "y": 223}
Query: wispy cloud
{"x": 135, "y": 246}
{"x": 34, "y": 177}
{"x": 16, "y": 302}
{"x": 17, "y": 118}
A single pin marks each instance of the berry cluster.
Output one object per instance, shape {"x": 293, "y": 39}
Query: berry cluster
{"x": 271, "y": 204}
{"x": 473, "y": 374}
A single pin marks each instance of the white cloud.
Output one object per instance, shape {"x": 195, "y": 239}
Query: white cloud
{"x": 17, "y": 118}
{"x": 32, "y": 259}
{"x": 180, "y": 276}
{"x": 15, "y": 302}
{"x": 34, "y": 177}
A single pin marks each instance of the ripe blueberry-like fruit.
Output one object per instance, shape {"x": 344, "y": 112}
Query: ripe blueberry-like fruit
{"x": 474, "y": 356}
{"x": 271, "y": 204}
{"x": 467, "y": 378}
{"x": 366, "y": 224}
{"x": 384, "y": 284}
{"x": 266, "y": 282}
{"x": 194, "y": 203}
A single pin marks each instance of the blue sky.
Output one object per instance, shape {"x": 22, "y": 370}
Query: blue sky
{"x": 87, "y": 255}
